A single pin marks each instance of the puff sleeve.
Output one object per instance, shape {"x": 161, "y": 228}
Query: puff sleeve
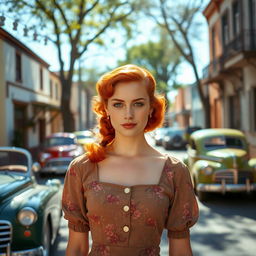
{"x": 183, "y": 211}
{"x": 73, "y": 200}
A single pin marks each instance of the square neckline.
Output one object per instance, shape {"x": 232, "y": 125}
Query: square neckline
{"x": 136, "y": 185}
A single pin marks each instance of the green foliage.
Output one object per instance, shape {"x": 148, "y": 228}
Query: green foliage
{"x": 160, "y": 58}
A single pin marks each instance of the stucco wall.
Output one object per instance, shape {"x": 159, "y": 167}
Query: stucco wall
{"x": 3, "y": 131}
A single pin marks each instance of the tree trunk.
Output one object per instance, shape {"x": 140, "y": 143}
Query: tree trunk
{"x": 67, "y": 115}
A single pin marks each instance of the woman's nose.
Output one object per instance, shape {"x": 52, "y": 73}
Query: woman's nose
{"x": 129, "y": 113}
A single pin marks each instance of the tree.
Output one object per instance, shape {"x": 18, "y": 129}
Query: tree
{"x": 178, "y": 19}
{"x": 160, "y": 58}
{"x": 78, "y": 24}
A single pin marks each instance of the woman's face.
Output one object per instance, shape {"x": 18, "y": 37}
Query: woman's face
{"x": 129, "y": 108}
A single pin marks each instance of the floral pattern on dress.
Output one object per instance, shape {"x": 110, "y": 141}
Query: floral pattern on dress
{"x": 95, "y": 219}
{"x": 102, "y": 250}
{"x": 95, "y": 186}
{"x": 157, "y": 190}
{"x": 135, "y": 212}
{"x": 150, "y": 251}
{"x": 112, "y": 236}
{"x": 70, "y": 206}
{"x": 186, "y": 212}
{"x": 151, "y": 222}
{"x": 72, "y": 171}
{"x": 113, "y": 199}
{"x": 169, "y": 173}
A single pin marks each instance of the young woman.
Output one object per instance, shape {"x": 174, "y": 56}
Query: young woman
{"x": 123, "y": 190}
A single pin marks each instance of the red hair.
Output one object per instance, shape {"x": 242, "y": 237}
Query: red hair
{"x": 105, "y": 88}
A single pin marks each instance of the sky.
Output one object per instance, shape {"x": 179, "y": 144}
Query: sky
{"x": 103, "y": 59}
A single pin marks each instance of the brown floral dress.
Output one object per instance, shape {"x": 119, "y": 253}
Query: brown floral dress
{"x": 128, "y": 221}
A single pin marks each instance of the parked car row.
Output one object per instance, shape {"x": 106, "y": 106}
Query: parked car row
{"x": 59, "y": 149}
{"x": 170, "y": 137}
{"x": 29, "y": 213}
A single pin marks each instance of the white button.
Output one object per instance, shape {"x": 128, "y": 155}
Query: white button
{"x": 126, "y": 208}
{"x": 127, "y": 190}
{"x": 126, "y": 229}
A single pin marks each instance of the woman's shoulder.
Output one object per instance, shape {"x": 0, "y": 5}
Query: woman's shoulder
{"x": 176, "y": 165}
{"x": 82, "y": 165}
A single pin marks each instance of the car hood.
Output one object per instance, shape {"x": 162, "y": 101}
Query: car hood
{"x": 228, "y": 156}
{"x": 10, "y": 185}
{"x": 63, "y": 148}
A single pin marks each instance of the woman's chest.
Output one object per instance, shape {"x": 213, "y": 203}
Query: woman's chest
{"x": 130, "y": 173}
{"x": 136, "y": 201}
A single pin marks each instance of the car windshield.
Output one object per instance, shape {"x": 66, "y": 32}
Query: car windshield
{"x": 84, "y": 136}
{"x": 223, "y": 142}
{"x": 175, "y": 132}
{"x": 59, "y": 141}
{"x": 13, "y": 161}
{"x": 161, "y": 131}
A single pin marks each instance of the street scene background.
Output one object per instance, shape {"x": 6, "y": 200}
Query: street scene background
{"x": 203, "y": 57}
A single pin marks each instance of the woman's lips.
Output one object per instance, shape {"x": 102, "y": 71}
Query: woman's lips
{"x": 128, "y": 125}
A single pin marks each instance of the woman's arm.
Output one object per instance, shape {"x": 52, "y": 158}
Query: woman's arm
{"x": 180, "y": 247}
{"x": 78, "y": 244}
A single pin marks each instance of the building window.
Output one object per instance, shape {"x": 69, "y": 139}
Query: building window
{"x": 41, "y": 79}
{"x": 18, "y": 67}
{"x": 225, "y": 29}
{"x": 252, "y": 10}
{"x": 253, "y": 105}
{"x": 213, "y": 43}
{"x": 56, "y": 91}
{"x": 236, "y": 18}
{"x": 234, "y": 112}
{"x": 51, "y": 89}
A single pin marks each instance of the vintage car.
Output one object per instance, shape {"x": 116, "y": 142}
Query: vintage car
{"x": 174, "y": 138}
{"x": 84, "y": 137}
{"x": 58, "y": 150}
{"x": 29, "y": 213}
{"x": 218, "y": 160}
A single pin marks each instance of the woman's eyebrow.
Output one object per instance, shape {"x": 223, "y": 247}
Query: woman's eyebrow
{"x": 123, "y": 100}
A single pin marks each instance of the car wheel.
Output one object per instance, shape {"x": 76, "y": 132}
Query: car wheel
{"x": 47, "y": 240}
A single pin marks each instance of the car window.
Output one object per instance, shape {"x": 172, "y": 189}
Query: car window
{"x": 13, "y": 161}
{"x": 79, "y": 137}
{"x": 223, "y": 142}
{"x": 58, "y": 141}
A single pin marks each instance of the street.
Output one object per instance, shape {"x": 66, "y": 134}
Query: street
{"x": 227, "y": 225}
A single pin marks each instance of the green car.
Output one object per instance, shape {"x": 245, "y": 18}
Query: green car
{"x": 29, "y": 213}
{"x": 218, "y": 160}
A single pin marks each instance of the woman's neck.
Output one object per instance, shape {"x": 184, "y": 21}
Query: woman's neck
{"x": 129, "y": 146}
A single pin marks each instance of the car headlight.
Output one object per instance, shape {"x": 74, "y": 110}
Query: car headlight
{"x": 44, "y": 156}
{"x": 207, "y": 170}
{"x": 27, "y": 216}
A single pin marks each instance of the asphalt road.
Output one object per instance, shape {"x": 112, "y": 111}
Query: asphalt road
{"x": 227, "y": 226}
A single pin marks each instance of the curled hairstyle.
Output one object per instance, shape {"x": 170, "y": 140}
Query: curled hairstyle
{"x": 105, "y": 88}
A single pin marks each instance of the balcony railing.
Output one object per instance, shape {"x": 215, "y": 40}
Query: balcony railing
{"x": 244, "y": 42}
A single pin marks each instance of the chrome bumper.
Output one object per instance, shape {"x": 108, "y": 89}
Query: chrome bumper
{"x": 222, "y": 188}
{"x": 31, "y": 252}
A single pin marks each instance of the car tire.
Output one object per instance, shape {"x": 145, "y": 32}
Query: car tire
{"x": 47, "y": 240}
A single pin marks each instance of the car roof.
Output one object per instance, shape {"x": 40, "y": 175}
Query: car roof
{"x": 204, "y": 133}
{"x": 62, "y": 134}
{"x": 83, "y": 132}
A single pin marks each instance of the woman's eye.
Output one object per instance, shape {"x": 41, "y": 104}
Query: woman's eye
{"x": 139, "y": 104}
{"x": 118, "y": 105}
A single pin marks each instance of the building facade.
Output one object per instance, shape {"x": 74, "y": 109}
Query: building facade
{"x": 231, "y": 74}
{"x": 29, "y": 95}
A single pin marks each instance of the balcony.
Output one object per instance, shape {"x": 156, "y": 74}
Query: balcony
{"x": 243, "y": 44}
